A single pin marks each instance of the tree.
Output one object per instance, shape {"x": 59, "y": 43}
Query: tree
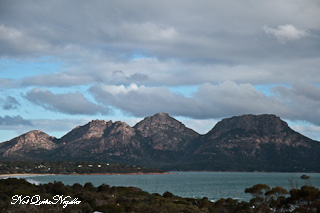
{"x": 276, "y": 192}
{"x": 259, "y": 201}
{"x": 307, "y": 198}
{"x": 276, "y": 198}
{"x": 258, "y": 190}
{"x": 89, "y": 186}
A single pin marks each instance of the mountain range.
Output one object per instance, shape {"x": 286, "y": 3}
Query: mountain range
{"x": 240, "y": 143}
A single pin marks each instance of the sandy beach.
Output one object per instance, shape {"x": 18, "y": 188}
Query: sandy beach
{"x": 21, "y": 175}
{"x": 133, "y": 173}
{"x": 32, "y": 174}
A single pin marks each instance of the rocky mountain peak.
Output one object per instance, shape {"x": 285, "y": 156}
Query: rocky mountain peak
{"x": 122, "y": 128}
{"x": 265, "y": 124}
{"x": 98, "y": 123}
{"x": 166, "y": 132}
{"x": 250, "y": 135}
{"x": 158, "y": 122}
{"x": 161, "y": 114}
{"x": 35, "y": 133}
{"x": 97, "y": 129}
{"x": 34, "y": 136}
{"x": 93, "y": 129}
{"x": 28, "y": 142}
{"x": 159, "y": 118}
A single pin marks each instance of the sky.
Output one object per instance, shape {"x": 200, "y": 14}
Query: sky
{"x": 65, "y": 63}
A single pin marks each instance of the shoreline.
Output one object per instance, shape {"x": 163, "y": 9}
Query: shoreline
{"x": 23, "y": 174}
{"x": 246, "y": 172}
{"x": 45, "y": 174}
{"x": 131, "y": 173}
{"x": 135, "y": 173}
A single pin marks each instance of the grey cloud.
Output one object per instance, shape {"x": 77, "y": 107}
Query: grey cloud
{"x": 69, "y": 103}
{"x": 152, "y": 72}
{"x": 122, "y": 76}
{"x": 210, "y": 101}
{"x": 137, "y": 77}
{"x": 183, "y": 43}
{"x": 142, "y": 101}
{"x": 310, "y": 91}
{"x": 303, "y": 99}
{"x": 301, "y": 102}
{"x": 196, "y": 43}
{"x": 15, "y": 43}
{"x": 155, "y": 72}
{"x": 13, "y": 121}
{"x": 229, "y": 98}
{"x": 219, "y": 30}
{"x": 60, "y": 79}
{"x": 118, "y": 73}
{"x": 10, "y": 103}
{"x": 6, "y": 83}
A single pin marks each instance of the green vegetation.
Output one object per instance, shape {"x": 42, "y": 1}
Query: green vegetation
{"x": 130, "y": 199}
{"x": 65, "y": 167}
{"x": 278, "y": 199}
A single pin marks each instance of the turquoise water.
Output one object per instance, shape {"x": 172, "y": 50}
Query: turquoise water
{"x": 214, "y": 185}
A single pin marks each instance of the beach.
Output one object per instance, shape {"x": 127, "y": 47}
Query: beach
{"x": 21, "y": 175}
{"x": 33, "y": 174}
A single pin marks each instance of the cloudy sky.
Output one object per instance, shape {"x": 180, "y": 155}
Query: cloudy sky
{"x": 64, "y": 63}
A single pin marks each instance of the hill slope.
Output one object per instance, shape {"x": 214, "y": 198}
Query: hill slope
{"x": 241, "y": 143}
{"x": 256, "y": 142}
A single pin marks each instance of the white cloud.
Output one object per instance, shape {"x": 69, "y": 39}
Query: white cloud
{"x": 202, "y": 126}
{"x": 310, "y": 131}
{"x": 285, "y": 33}
{"x": 121, "y": 89}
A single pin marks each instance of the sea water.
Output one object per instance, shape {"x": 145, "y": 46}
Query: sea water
{"x": 214, "y": 185}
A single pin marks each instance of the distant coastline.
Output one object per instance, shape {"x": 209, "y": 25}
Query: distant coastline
{"x": 39, "y": 174}
{"x": 21, "y": 175}
{"x": 131, "y": 173}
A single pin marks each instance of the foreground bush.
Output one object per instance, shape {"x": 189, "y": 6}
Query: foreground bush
{"x": 130, "y": 199}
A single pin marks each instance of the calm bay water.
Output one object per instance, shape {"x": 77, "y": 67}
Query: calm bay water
{"x": 214, "y": 185}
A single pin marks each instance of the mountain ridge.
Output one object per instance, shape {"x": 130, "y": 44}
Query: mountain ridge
{"x": 246, "y": 143}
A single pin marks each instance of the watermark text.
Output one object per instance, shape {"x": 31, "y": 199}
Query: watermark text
{"x": 36, "y": 200}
